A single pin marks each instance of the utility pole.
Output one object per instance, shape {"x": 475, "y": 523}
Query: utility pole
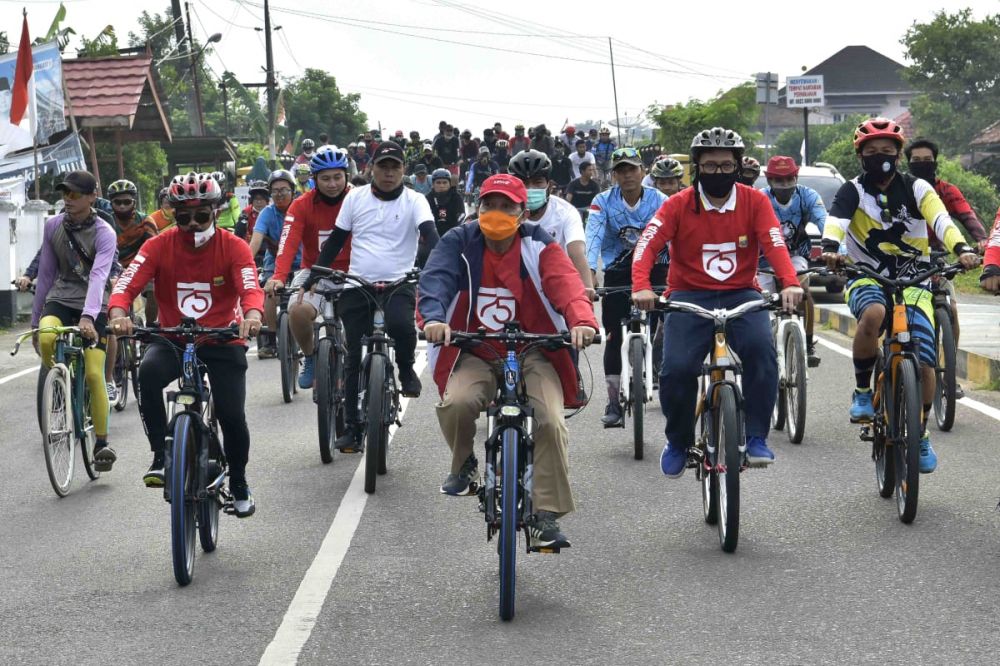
{"x": 182, "y": 38}
{"x": 269, "y": 80}
{"x": 614, "y": 87}
{"x": 225, "y": 101}
{"x": 193, "y": 59}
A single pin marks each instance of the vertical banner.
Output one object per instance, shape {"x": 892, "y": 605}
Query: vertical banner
{"x": 48, "y": 98}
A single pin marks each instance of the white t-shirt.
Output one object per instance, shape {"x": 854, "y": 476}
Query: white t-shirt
{"x": 563, "y": 222}
{"x": 577, "y": 159}
{"x": 384, "y": 234}
{"x": 648, "y": 181}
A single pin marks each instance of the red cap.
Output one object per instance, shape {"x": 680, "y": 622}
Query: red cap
{"x": 781, "y": 166}
{"x": 504, "y": 184}
{"x": 399, "y": 132}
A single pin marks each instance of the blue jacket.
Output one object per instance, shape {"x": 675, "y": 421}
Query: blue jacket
{"x": 609, "y": 214}
{"x": 806, "y": 205}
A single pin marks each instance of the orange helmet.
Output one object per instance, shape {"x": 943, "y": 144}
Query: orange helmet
{"x": 878, "y": 128}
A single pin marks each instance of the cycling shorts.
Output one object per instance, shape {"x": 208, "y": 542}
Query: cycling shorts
{"x": 865, "y": 292}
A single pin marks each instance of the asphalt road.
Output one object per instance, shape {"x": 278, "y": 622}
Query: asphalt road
{"x": 824, "y": 572}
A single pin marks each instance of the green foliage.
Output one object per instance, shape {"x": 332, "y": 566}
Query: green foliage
{"x": 247, "y": 153}
{"x": 145, "y": 165}
{"x": 315, "y": 105}
{"x": 105, "y": 44}
{"x": 734, "y": 109}
{"x": 978, "y": 190}
{"x": 840, "y": 153}
{"x": 789, "y": 142}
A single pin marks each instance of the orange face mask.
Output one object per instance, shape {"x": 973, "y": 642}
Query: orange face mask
{"x": 498, "y": 225}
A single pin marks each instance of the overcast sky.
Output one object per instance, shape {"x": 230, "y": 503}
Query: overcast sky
{"x": 504, "y": 69}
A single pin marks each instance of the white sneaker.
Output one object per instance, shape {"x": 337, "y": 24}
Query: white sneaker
{"x": 112, "y": 392}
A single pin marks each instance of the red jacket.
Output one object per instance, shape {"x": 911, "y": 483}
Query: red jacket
{"x": 309, "y": 221}
{"x": 957, "y": 206}
{"x": 215, "y": 283}
{"x": 710, "y": 250}
{"x": 993, "y": 248}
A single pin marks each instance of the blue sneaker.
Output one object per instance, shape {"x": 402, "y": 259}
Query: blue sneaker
{"x": 306, "y": 374}
{"x": 757, "y": 451}
{"x": 673, "y": 461}
{"x": 862, "y": 410}
{"x": 928, "y": 459}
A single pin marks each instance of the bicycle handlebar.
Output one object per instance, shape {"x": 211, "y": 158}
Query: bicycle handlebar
{"x": 318, "y": 272}
{"x": 722, "y": 315}
{"x": 604, "y": 291}
{"x": 557, "y": 340}
{"x": 187, "y": 331}
{"x": 862, "y": 270}
{"x": 58, "y": 330}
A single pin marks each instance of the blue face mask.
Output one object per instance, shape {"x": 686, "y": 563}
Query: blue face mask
{"x": 537, "y": 199}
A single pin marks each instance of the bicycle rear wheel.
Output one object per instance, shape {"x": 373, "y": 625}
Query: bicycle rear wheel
{"x": 780, "y": 413}
{"x": 944, "y": 391}
{"x": 795, "y": 384}
{"x": 637, "y": 358}
{"x": 325, "y": 358}
{"x": 58, "y": 436}
{"x": 183, "y": 479}
{"x": 375, "y": 424}
{"x": 708, "y": 478}
{"x": 120, "y": 373}
{"x": 906, "y": 435}
{"x": 507, "y": 547}
{"x": 286, "y": 358}
{"x": 727, "y": 442}
{"x": 89, "y": 439}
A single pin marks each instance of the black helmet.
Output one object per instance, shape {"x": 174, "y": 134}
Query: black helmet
{"x": 530, "y": 163}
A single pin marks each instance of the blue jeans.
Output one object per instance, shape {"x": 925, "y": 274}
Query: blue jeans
{"x": 687, "y": 339}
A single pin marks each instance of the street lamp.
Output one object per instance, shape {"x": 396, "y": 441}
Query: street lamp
{"x": 217, "y": 37}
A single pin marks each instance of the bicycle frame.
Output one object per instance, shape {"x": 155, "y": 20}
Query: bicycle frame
{"x": 782, "y": 321}
{"x": 637, "y": 326}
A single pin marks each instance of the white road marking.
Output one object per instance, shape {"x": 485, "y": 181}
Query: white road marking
{"x": 17, "y": 375}
{"x": 303, "y": 612}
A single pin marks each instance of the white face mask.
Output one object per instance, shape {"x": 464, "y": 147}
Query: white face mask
{"x": 202, "y": 237}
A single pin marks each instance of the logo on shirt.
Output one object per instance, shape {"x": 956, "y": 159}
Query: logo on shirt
{"x": 719, "y": 260}
{"x": 219, "y": 280}
{"x": 194, "y": 298}
{"x": 495, "y": 306}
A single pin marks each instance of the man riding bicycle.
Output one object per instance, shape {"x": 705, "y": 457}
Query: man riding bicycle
{"x": 484, "y": 274}
{"x": 480, "y": 170}
{"x": 666, "y": 174}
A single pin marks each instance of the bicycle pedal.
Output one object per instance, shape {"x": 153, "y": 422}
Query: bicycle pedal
{"x": 866, "y": 434}
{"x": 547, "y": 550}
{"x": 814, "y": 362}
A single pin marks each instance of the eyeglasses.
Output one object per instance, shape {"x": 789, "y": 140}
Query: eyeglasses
{"x": 281, "y": 192}
{"x": 200, "y": 217}
{"x": 70, "y": 195}
{"x": 123, "y": 203}
{"x": 718, "y": 167}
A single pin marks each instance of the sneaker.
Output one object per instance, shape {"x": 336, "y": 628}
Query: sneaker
{"x": 812, "y": 360}
{"x": 757, "y": 451}
{"x": 862, "y": 410}
{"x": 613, "y": 417}
{"x": 928, "y": 459}
{"x": 112, "y": 392}
{"x": 306, "y": 375}
{"x": 243, "y": 504}
{"x": 352, "y": 441}
{"x": 409, "y": 382}
{"x": 104, "y": 458}
{"x": 267, "y": 352}
{"x": 154, "y": 477}
{"x": 462, "y": 483}
{"x": 543, "y": 531}
{"x": 673, "y": 461}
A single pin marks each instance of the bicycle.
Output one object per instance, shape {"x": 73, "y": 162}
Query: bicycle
{"x": 288, "y": 350}
{"x": 720, "y": 444}
{"x": 897, "y": 428}
{"x": 64, "y": 409}
{"x": 195, "y": 463}
{"x": 947, "y": 350}
{"x": 126, "y": 371}
{"x": 379, "y": 393}
{"x": 505, "y": 492}
{"x": 329, "y": 391}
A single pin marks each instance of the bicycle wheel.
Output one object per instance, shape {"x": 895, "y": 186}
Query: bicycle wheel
{"x": 58, "y": 436}
{"x": 906, "y": 434}
{"x": 780, "y": 412}
{"x": 325, "y": 358}
{"x": 183, "y": 478}
{"x": 507, "y": 547}
{"x": 209, "y": 508}
{"x": 389, "y": 410}
{"x": 795, "y": 384}
{"x": 286, "y": 358}
{"x": 727, "y": 443}
{"x": 709, "y": 479}
{"x": 374, "y": 409}
{"x": 89, "y": 439}
{"x": 637, "y": 358}
{"x": 944, "y": 391}
{"x": 119, "y": 376}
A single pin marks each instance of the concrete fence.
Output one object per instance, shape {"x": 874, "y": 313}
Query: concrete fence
{"x": 21, "y": 228}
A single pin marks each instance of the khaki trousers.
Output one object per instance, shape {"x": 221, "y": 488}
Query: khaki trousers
{"x": 471, "y": 388}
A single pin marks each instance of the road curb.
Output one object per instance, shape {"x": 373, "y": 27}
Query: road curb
{"x": 970, "y": 366}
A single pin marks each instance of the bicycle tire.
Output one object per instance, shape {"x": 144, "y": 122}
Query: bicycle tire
{"x": 945, "y": 386}
{"x": 779, "y": 413}
{"x": 375, "y": 428}
{"x": 507, "y": 547}
{"x": 324, "y": 397}
{"x": 120, "y": 374}
{"x": 210, "y": 507}
{"x": 58, "y": 435}
{"x": 795, "y": 384}
{"x": 727, "y": 443}
{"x": 885, "y": 470}
{"x": 907, "y": 432}
{"x": 183, "y": 474}
{"x": 43, "y": 372}
{"x": 637, "y": 358}
{"x": 138, "y": 351}
{"x": 708, "y": 478}
{"x": 286, "y": 358}
{"x": 89, "y": 439}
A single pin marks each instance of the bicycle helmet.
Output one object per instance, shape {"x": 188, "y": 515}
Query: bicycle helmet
{"x": 502, "y": 144}
{"x": 530, "y": 163}
{"x": 308, "y": 144}
{"x": 281, "y": 174}
{"x": 751, "y": 164}
{"x": 302, "y": 169}
{"x": 666, "y": 167}
{"x": 164, "y": 194}
{"x": 329, "y": 157}
{"x": 195, "y": 189}
{"x": 218, "y": 177}
{"x": 715, "y": 139}
{"x": 441, "y": 174}
{"x": 878, "y": 128}
{"x": 122, "y": 187}
{"x": 570, "y": 129}
{"x": 605, "y": 130}
{"x": 258, "y": 187}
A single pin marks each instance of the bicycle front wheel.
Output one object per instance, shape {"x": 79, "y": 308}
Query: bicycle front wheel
{"x": 906, "y": 435}
{"x": 324, "y": 397}
{"x": 944, "y": 391}
{"x": 183, "y": 482}
{"x": 727, "y": 442}
{"x": 209, "y": 508}
{"x": 637, "y": 358}
{"x": 89, "y": 439}
{"x": 286, "y": 357}
{"x": 376, "y": 428}
{"x": 507, "y": 547}
{"x": 120, "y": 373}
{"x": 58, "y": 436}
{"x": 795, "y": 384}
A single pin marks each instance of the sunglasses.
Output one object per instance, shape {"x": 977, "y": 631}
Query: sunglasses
{"x": 185, "y": 217}
{"x": 123, "y": 203}
{"x": 70, "y": 195}
{"x": 622, "y": 153}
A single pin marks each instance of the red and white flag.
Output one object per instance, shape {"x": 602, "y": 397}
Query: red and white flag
{"x": 22, "y": 93}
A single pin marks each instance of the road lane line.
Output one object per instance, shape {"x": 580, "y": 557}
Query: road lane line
{"x": 980, "y": 407}
{"x": 18, "y": 375}
{"x": 303, "y": 612}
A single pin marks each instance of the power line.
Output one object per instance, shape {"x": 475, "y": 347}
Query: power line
{"x": 468, "y": 99}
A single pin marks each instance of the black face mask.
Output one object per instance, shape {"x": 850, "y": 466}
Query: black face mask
{"x": 718, "y": 185}
{"x": 783, "y": 194}
{"x": 925, "y": 170}
{"x": 880, "y": 167}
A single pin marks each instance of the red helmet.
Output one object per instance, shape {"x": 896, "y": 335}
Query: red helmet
{"x": 570, "y": 129}
{"x": 781, "y": 166}
{"x": 878, "y": 128}
{"x": 194, "y": 189}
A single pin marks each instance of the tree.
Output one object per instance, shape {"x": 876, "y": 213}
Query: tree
{"x": 145, "y": 165}
{"x": 840, "y": 153}
{"x": 315, "y": 105}
{"x": 734, "y": 109}
{"x": 789, "y": 142}
{"x": 978, "y": 190}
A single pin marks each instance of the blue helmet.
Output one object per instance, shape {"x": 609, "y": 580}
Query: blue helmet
{"x": 328, "y": 157}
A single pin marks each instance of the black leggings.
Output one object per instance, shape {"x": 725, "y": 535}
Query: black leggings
{"x": 227, "y": 372}
{"x": 615, "y": 307}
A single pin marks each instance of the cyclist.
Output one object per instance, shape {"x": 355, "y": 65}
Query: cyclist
{"x": 591, "y": 138}
{"x": 716, "y": 231}
{"x": 557, "y": 216}
{"x": 78, "y": 251}
{"x": 665, "y": 175}
{"x": 795, "y": 206}
{"x": 519, "y": 142}
{"x": 480, "y": 170}
{"x": 361, "y": 156}
{"x": 414, "y": 149}
{"x": 308, "y": 145}
{"x": 602, "y": 151}
{"x": 906, "y": 208}
{"x": 446, "y": 147}
{"x": 626, "y": 204}
{"x": 749, "y": 171}
{"x": 468, "y": 151}
{"x": 420, "y": 181}
{"x": 568, "y": 138}
{"x": 385, "y": 222}
{"x": 430, "y": 160}
{"x": 210, "y": 277}
{"x": 229, "y": 212}
{"x": 581, "y": 156}
{"x": 303, "y": 177}
{"x": 581, "y": 191}
{"x": 502, "y": 154}
{"x": 990, "y": 279}
{"x": 260, "y": 196}
{"x": 447, "y": 205}
{"x": 499, "y": 133}
{"x": 267, "y": 234}
{"x": 562, "y": 169}
{"x": 308, "y": 223}
{"x": 543, "y": 141}
{"x": 163, "y": 216}
{"x": 484, "y": 274}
